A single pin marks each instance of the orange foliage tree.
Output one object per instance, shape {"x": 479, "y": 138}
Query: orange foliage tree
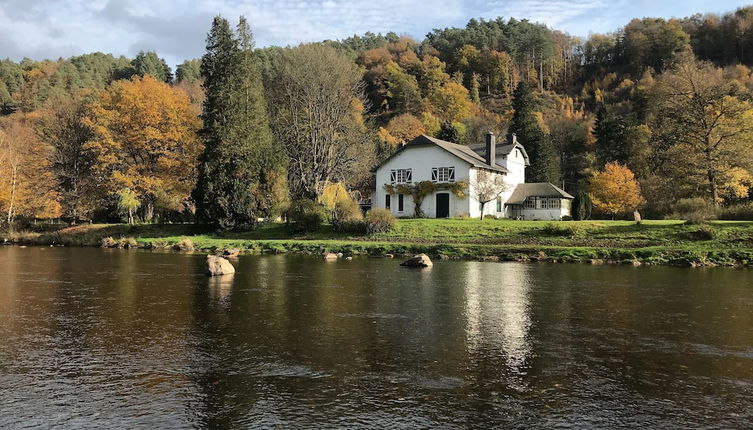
{"x": 26, "y": 181}
{"x": 146, "y": 141}
{"x": 615, "y": 190}
{"x": 401, "y": 129}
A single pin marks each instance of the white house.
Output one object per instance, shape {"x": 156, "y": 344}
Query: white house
{"x": 490, "y": 167}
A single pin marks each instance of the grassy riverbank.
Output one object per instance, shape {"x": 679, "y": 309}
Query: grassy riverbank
{"x": 728, "y": 243}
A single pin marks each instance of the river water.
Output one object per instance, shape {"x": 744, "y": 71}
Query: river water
{"x": 93, "y": 338}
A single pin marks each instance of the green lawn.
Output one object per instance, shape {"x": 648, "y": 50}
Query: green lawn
{"x": 659, "y": 242}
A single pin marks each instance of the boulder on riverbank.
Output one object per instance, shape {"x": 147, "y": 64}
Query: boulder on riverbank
{"x": 419, "y": 260}
{"x": 232, "y": 252}
{"x": 217, "y": 265}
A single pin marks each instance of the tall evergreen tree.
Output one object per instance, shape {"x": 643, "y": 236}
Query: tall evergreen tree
{"x": 148, "y": 63}
{"x": 541, "y": 151}
{"x": 240, "y": 170}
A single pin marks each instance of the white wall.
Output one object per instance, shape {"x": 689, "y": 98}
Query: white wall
{"x": 421, "y": 159}
{"x": 516, "y": 164}
{"x": 548, "y": 214}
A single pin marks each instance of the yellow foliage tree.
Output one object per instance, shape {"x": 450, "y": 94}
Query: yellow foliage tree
{"x": 450, "y": 102}
{"x": 26, "y": 181}
{"x": 615, "y": 190}
{"x": 146, "y": 141}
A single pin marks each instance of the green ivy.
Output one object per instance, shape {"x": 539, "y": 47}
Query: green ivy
{"x": 420, "y": 190}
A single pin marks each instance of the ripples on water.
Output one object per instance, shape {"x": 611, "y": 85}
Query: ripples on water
{"x": 125, "y": 339}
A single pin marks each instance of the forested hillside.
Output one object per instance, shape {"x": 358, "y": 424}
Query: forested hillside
{"x": 666, "y": 103}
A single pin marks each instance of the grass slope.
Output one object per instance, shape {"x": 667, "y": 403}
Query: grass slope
{"x": 653, "y": 242}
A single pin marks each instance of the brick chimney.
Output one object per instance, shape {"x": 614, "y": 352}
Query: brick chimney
{"x": 491, "y": 149}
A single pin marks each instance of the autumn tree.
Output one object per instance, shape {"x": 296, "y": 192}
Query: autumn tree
{"x": 145, "y": 139}
{"x": 402, "y": 89}
{"x": 706, "y": 129}
{"x": 317, "y": 104}
{"x": 450, "y": 102}
{"x": 27, "y": 187}
{"x": 401, "y": 129}
{"x": 615, "y": 190}
{"x": 241, "y": 171}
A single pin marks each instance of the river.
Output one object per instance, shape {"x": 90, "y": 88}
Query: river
{"x": 93, "y": 338}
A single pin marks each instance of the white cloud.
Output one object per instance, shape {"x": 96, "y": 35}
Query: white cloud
{"x": 176, "y": 29}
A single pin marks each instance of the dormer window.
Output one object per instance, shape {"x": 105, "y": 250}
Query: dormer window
{"x": 401, "y": 176}
{"x": 442, "y": 174}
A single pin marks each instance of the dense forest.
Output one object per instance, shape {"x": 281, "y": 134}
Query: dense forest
{"x": 243, "y": 132}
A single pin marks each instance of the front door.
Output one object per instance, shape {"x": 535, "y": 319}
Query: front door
{"x": 443, "y": 205}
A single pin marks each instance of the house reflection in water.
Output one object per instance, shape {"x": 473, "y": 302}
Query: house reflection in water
{"x": 498, "y": 312}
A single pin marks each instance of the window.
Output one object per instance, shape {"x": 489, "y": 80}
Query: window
{"x": 443, "y": 174}
{"x": 499, "y": 204}
{"x": 401, "y": 176}
{"x": 554, "y": 203}
{"x": 530, "y": 203}
{"x": 399, "y": 202}
{"x": 387, "y": 201}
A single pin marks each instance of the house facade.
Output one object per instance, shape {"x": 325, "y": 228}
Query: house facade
{"x": 487, "y": 172}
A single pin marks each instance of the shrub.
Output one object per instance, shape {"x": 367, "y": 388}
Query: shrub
{"x": 185, "y": 244}
{"x": 347, "y": 210}
{"x": 347, "y": 216}
{"x": 694, "y": 211}
{"x": 306, "y": 216}
{"x": 379, "y": 221}
{"x": 703, "y": 232}
{"x": 552, "y": 229}
{"x": 109, "y": 242}
{"x": 740, "y": 211}
{"x": 356, "y": 226}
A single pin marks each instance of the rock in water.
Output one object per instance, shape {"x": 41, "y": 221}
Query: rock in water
{"x": 232, "y": 252}
{"x": 329, "y": 256}
{"x": 420, "y": 260}
{"x": 217, "y": 265}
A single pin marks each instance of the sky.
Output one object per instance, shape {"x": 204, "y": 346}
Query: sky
{"x": 176, "y": 29}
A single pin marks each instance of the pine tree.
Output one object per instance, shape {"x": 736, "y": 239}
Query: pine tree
{"x": 541, "y": 151}
{"x": 239, "y": 171}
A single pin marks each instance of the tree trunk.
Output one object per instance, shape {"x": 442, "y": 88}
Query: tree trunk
{"x": 13, "y": 180}
{"x": 482, "y": 209}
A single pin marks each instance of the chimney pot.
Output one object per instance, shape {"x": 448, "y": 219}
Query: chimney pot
{"x": 491, "y": 149}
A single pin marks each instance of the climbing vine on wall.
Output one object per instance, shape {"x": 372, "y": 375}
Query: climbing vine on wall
{"x": 420, "y": 190}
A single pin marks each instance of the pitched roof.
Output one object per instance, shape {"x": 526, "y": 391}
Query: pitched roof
{"x": 502, "y": 149}
{"x": 538, "y": 189}
{"x": 463, "y": 152}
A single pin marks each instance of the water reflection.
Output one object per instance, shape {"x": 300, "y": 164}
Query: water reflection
{"x": 498, "y": 311}
{"x": 134, "y": 339}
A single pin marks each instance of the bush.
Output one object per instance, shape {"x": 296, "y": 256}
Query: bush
{"x": 306, "y": 216}
{"x": 347, "y": 216}
{"x": 109, "y": 242}
{"x": 356, "y": 226}
{"x": 703, "y": 232}
{"x": 739, "y": 212}
{"x": 694, "y": 211}
{"x": 379, "y": 221}
{"x": 552, "y": 229}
